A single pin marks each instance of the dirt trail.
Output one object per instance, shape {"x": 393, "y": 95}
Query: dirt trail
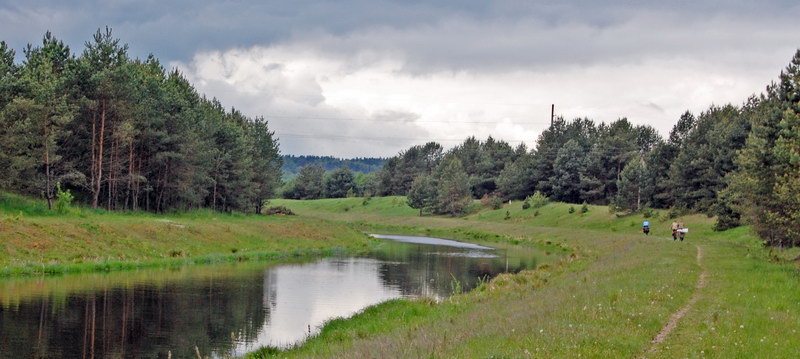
{"x": 673, "y": 320}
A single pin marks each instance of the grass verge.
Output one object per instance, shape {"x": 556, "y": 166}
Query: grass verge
{"x": 84, "y": 241}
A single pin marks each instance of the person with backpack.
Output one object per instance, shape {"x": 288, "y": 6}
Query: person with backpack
{"x": 674, "y": 231}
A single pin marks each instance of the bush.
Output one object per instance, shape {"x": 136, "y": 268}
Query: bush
{"x": 526, "y": 204}
{"x": 535, "y": 214}
{"x": 537, "y": 200}
{"x": 63, "y": 199}
{"x": 674, "y": 212}
{"x": 496, "y": 203}
{"x": 648, "y": 212}
{"x": 571, "y": 209}
{"x": 584, "y": 208}
{"x": 508, "y": 215}
{"x": 280, "y": 211}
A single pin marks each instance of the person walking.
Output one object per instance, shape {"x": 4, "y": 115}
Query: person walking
{"x": 646, "y": 228}
{"x": 674, "y": 231}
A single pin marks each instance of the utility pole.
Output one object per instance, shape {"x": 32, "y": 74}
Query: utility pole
{"x": 552, "y": 114}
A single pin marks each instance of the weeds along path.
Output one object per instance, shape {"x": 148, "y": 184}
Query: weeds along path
{"x": 672, "y": 323}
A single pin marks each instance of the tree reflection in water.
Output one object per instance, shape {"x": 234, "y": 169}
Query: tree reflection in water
{"x": 226, "y": 309}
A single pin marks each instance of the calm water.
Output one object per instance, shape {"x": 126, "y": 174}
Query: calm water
{"x": 230, "y": 309}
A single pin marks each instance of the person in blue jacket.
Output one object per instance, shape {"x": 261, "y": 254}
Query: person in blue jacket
{"x": 646, "y": 228}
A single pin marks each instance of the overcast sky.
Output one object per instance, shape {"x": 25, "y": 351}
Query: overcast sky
{"x": 368, "y": 78}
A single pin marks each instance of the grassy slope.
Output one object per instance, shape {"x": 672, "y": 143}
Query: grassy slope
{"x": 608, "y": 299}
{"x": 32, "y": 240}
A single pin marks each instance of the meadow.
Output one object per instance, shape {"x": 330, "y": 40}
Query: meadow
{"x": 34, "y": 240}
{"x": 612, "y": 293}
{"x": 609, "y": 293}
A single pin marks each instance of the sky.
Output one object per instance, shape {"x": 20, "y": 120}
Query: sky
{"x": 356, "y": 78}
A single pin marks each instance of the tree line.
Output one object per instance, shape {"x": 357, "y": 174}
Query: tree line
{"x": 738, "y": 163}
{"x": 123, "y": 133}
{"x": 292, "y": 164}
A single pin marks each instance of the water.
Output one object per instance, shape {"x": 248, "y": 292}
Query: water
{"x": 230, "y": 309}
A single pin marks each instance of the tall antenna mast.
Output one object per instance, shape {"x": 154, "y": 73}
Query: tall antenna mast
{"x": 552, "y": 114}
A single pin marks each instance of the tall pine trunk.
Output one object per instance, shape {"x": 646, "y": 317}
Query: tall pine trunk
{"x": 99, "y": 176}
{"x": 130, "y": 173}
{"x": 48, "y": 187}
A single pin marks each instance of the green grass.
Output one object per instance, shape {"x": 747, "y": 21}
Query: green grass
{"x": 34, "y": 242}
{"x": 608, "y": 297}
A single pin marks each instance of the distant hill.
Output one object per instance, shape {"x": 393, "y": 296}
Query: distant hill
{"x": 292, "y": 164}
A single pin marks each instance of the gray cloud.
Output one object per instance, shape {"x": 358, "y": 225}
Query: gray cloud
{"x": 530, "y": 31}
{"x": 309, "y": 64}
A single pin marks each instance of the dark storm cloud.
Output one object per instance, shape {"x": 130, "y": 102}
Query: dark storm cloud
{"x": 174, "y": 30}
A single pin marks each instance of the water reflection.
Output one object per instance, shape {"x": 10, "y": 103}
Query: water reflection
{"x": 227, "y": 309}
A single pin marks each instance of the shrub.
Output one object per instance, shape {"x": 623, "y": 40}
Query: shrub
{"x": 63, "y": 199}
{"x": 535, "y": 214}
{"x": 571, "y": 209}
{"x": 674, "y": 212}
{"x": 538, "y": 200}
{"x": 508, "y": 215}
{"x": 526, "y": 204}
{"x": 280, "y": 211}
{"x": 496, "y": 203}
{"x": 584, "y": 208}
{"x": 648, "y": 212}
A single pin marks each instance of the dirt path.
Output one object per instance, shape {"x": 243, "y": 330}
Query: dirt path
{"x": 673, "y": 320}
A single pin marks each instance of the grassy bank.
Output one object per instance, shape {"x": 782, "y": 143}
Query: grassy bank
{"x": 34, "y": 240}
{"x": 609, "y": 298}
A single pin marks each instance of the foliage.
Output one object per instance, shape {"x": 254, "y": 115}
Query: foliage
{"x": 63, "y": 199}
{"x": 584, "y": 208}
{"x": 766, "y": 188}
{"x": 339, "y": 183}
{"x": 739, "y": 164}
{"x": 453, "y": 194}
{"x": 496, "y": 203}
{"x": 538, "y": 200}
{"x": 307, "y": 185}
{"x": 423, "y": 194}
{"x": 292, "y": 164}
{"x": 279, "y": 210}
{"x": 633, "y": 189}
{"x": 125, "y": 134}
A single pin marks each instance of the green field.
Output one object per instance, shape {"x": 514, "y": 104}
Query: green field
{"x": 34, "y": 240}
{"x": 610, "y": 296}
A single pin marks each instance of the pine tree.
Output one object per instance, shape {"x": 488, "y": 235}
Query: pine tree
{"x": 423, "y": 194}
{"x": 39, "y": 117}
{"x": 633, "y": 187}
{"x": 764, "y": 188}
{"x": 453, "y": 194}
{"x": 338, "y": 183}
{"x": 567, "y": 168}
